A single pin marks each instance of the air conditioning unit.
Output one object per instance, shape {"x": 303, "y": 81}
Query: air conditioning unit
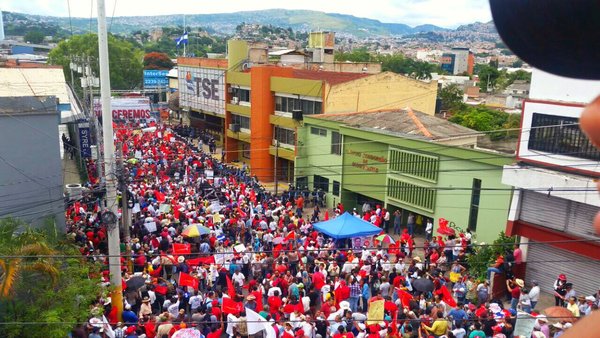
{"x": 235, "y": 100}
{"x": 297, "y": 114}
{"x": 234, "y": 127}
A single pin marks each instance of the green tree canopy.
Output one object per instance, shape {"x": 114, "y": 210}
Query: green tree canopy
{"x": 488, "y": 77}
{"x": 34, "y": 36}
{"x": 396, "y": 63}
{"x": 451, "y": 96}
{"x": 501, "y": 125}
{"x": 125, "y": 61}
{"x": 43, "y": 289}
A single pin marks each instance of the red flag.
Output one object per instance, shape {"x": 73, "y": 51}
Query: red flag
{"x": 290, "y": 236}
{"x": 446, "y": 296}
{"x": 230, "y": 288}
{"x": 326, "y": 215}
{"x": 159, "y": 196}
{"x": 229, "y": 306}
{"x": 405, "y": 298}
{"x": 187, "y": 280}
{"x": 276, "y": 250}
{"x": 182, "y": 249}
{"x": 201, "y": 260}
{"x": 160, "y": 289}
{"x": 176, "y": 212}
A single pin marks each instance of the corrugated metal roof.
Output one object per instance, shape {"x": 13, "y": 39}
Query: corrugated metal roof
{"x": 33, "y": 82}
{"x": 28, "y": 105}
{"x": 404, "y": 122}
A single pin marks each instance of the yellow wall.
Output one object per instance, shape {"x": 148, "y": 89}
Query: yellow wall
{"x": 382, "y": 91}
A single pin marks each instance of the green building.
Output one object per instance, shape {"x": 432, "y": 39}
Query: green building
{"x": 405, "y": 160}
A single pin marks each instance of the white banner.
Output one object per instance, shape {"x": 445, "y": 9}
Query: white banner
{"x": 127, "y": 108}
{"x": 202, "y": 88}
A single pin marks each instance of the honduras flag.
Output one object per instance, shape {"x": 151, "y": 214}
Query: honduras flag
{"x": 182, "y": 39}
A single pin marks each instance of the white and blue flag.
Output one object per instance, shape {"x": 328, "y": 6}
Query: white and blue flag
{"x": 182, "y": 40}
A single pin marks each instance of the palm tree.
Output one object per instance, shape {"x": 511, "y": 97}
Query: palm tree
{"x": 23, "y": 251}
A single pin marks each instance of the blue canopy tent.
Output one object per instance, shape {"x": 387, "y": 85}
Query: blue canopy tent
{"x": 347, "y": 226}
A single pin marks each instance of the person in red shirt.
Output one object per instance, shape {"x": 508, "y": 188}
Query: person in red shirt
{"x": 318, "y": 279}
{"x": 274, "y": 302}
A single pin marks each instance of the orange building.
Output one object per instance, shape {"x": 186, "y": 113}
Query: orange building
{"x": 253, "y": 107}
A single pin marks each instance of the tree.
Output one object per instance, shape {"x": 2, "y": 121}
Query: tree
{"x": 451, "y": 96}
{"x": 42, "y": 289}
{"x": 125, "y": 61}
{"x": 156, "y": 60}
{"x": 34, "y": 36}
{"x": 517, "y": 64}
{"x": 488, "y": 76}
{"x": 499, "y": 124}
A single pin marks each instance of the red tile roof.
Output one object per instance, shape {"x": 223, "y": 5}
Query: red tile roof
{"x": 332, "y": 78}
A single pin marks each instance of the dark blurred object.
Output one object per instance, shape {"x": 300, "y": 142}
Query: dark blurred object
{"x": 557, "y": 36}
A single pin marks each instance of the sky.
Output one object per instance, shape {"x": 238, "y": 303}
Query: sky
{"x": 445, "y": 13}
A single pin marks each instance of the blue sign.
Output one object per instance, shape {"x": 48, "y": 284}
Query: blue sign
{"x": 85, "y": 142}
{"x": 156, "y": 78}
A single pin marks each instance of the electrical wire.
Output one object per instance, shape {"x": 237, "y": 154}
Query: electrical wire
{"x": 318, "y": 250}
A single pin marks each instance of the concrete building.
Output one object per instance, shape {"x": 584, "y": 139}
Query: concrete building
{"x": 458, "y": 61}
{"x": 555, "y": 198}
{"x": 405, "y": 160}
{"x": 31, "y": 178}
{"x": 253, "y": 107}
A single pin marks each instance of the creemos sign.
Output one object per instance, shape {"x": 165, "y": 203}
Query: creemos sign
{"x": 127, "y": 108}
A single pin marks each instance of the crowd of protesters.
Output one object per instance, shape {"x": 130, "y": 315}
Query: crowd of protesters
{"x": 211, "y": 251}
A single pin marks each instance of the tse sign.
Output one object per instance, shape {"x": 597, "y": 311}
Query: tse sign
{"x": 208, "y": 88}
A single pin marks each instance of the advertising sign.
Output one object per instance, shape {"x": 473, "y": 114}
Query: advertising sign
{"x": 84, "y": 141}
{"x": 155, "y": 79}
{"x": 202, "y": 89}
{"x": 127, "y": 108}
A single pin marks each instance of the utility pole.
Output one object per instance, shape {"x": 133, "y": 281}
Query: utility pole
{"x": 109, "y": 161}
{"x": 275, "y": 166}
{"x": 125, "y": 216}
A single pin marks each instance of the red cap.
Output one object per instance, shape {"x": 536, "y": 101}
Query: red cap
{"x": 562, "y": 276}
{"x": 497, "y": 329}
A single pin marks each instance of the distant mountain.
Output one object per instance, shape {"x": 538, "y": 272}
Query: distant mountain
{"x": 225, "y": 23}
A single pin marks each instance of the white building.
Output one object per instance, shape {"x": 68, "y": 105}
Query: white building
{"x": 555, "y": 198}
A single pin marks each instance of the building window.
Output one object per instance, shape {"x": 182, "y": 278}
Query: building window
{"x": 414, "y": 164}
{"x": 289, "y": 104}
{"x": 245, "y": 150}
{"x": 302, "y": 182}
{"x": 336, "y": 188}
{"x": 336, "y": 143}
{"x": 412, "y": 194}
{"x": 474, "y": 209}
{"x": 285, "y": 136}
{"x": 242, "y": 121}
{"x": 318, "y": 131}
{"x": 242, "y": 95}
{"x": 320, "y": 182}
{"x": 560, "y": 135}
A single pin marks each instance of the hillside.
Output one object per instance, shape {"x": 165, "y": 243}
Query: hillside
{"x": 225, "y": 23}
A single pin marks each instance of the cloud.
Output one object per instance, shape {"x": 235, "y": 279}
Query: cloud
{"x": 446, "y": 13}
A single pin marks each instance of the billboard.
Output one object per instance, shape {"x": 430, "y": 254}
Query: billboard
{"x": 126, "y": 108}
{"x": 202, "y": 89}
{"x": 154, "y": 79}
